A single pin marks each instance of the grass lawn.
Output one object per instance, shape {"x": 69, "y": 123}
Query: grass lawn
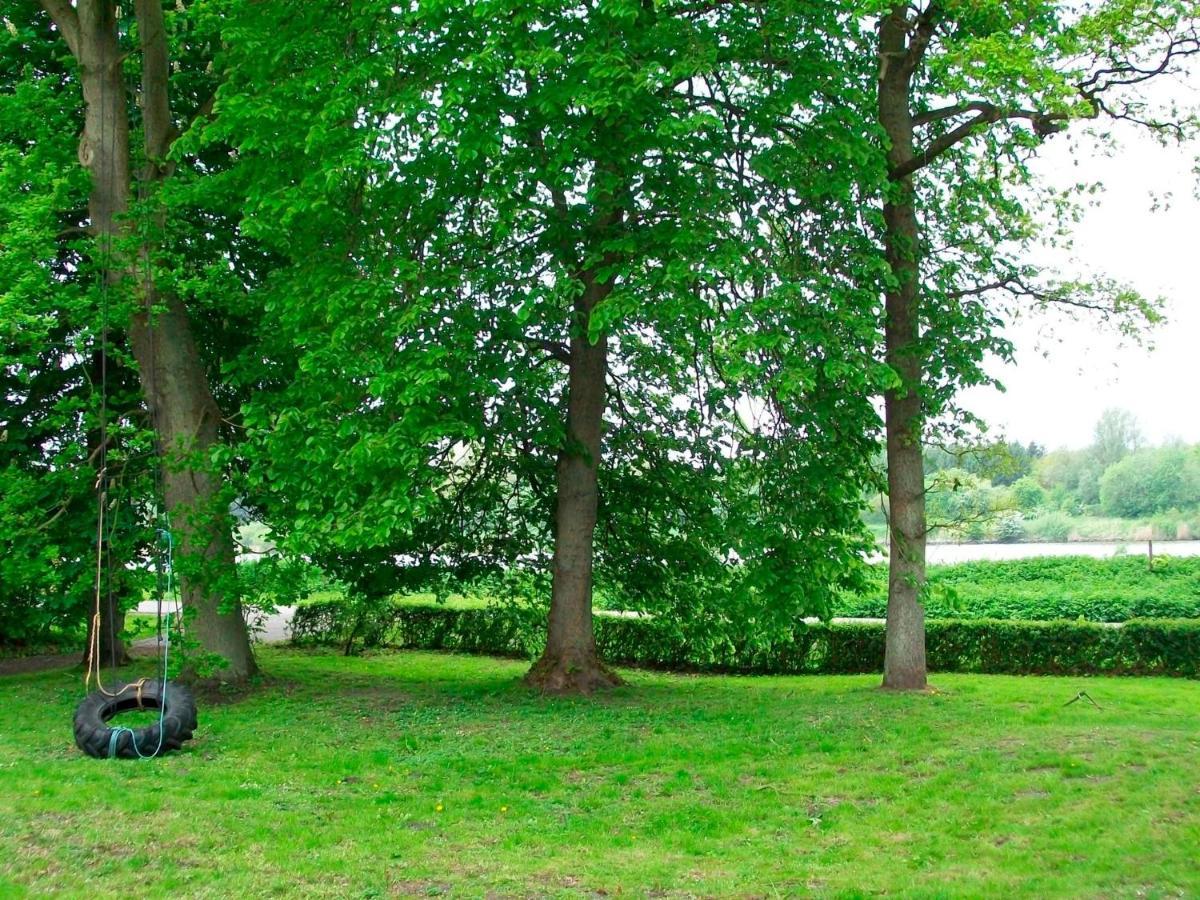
{"x": 422, "y": 774}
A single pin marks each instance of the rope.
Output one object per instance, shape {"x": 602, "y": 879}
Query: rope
{"x": 93, "y": 654}
{"x": 164, "y": 641}
{"x": 115, "y": 735}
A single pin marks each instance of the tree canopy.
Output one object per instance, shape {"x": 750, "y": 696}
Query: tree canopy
{"x": 575, "y": 298}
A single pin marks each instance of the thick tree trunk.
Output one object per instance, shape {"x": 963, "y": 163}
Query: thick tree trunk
{"x": 173, "y": 380}
{"x": 186, "y": 421}
{"x": 904, "y": 660}
{"x": 570, "y": 663}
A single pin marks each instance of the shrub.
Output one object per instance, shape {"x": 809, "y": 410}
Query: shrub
{"x": 1028, "y": 494}
{"x": 1151, "y": 481}
{"x": 975, "y": 530}
{"x": 1010, "y": 529}
{"x": 987, "y": 646}
{"x": 1045, "y": 588}
{"x": 1052, "y": 526}
{"x": 1170, "y": 526}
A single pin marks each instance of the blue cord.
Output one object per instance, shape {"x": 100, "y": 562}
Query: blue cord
{"x": 115, "y": 733}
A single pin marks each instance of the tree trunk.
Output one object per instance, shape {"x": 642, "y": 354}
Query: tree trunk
{"x": 186, "y": 421}
{"x": 904, "y": 658}
{"x": 570, "y": 663}
{"x": 172, "y": 376}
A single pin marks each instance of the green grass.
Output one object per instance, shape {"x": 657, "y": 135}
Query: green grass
{"x": 420, "y": 774}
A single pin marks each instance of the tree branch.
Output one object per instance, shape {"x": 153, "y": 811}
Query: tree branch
{"x": 203, "y": 111}
{"x": 923, "y": 31}
{"x": 1016, "y": 286}
{"x": 1126, "y": 73}
{"x": 1044, "y": 124}
{"x": 554, "y": 349}
{"x": 156, "y": 108}
{"x": 66, "y": 21}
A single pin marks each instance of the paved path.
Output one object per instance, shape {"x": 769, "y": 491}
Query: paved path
{"x": 23, "y": 665}
{"x": 272, "y": 629}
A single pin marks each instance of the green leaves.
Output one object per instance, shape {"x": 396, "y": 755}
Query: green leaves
{"x": 389, "y": 222}
{"x": 434, "y": 186}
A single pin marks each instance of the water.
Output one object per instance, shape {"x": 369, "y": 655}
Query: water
{"x": 954, "y": 553}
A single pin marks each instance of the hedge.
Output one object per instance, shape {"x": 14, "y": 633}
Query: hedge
{"x": 1142, "y": 647}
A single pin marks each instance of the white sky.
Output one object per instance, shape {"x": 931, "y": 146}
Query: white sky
{"x": 1065, "y": 376}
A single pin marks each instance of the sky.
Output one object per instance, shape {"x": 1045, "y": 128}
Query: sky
{"x": 1066, "y": 374}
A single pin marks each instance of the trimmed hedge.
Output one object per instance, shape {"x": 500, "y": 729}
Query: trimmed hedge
{"x": 1143, "y": 647}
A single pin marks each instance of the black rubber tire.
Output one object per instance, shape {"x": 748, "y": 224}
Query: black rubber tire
{"x": 94, "y": 737}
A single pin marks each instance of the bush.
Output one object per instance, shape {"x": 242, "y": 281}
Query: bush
{"x": 1157, "y": 647}
{"x": 1052, "y": 526}
{"x": 1010, "y": 529}
{"x": 1028, "y": 494}
{"x": 1151, "y": 481}
{"x": 1170, "y": 526}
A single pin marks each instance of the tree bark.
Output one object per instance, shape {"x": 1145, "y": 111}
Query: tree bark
{"x": 186, "y": 421}
{"x": 904, "y": 665}
{"x": 174, "y": 383}
{"x": 570, "y": 663}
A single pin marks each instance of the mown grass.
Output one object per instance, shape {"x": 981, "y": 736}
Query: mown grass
{"x": 421, "y": 774}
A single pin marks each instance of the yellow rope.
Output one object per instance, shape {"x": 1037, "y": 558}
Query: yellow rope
{"x": 92, "y": 666}
{"x": 93, "y": 655}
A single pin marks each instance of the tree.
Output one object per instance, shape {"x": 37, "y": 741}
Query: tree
{"x": 51, "y": 442}
{"x": 44, "y": 484}
{"x": 1028, "y": 494}
{"x": 1115, "y": 437}
{"x": 1151, "y": 481}
{"x": 1072, "y": 475}
{"x": 147, "y": 309}
{"x": 548, "y": 270}
{"x": 965, "y": 92}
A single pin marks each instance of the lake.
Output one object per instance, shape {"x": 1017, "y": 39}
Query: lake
{"x": 954, "y": 553}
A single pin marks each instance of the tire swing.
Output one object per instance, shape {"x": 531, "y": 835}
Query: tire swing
{"x": 176, "y": 720}
{"x": 175, "y": 704}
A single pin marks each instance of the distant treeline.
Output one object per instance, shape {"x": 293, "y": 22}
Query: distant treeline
{"x": 1009, "y": 491}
